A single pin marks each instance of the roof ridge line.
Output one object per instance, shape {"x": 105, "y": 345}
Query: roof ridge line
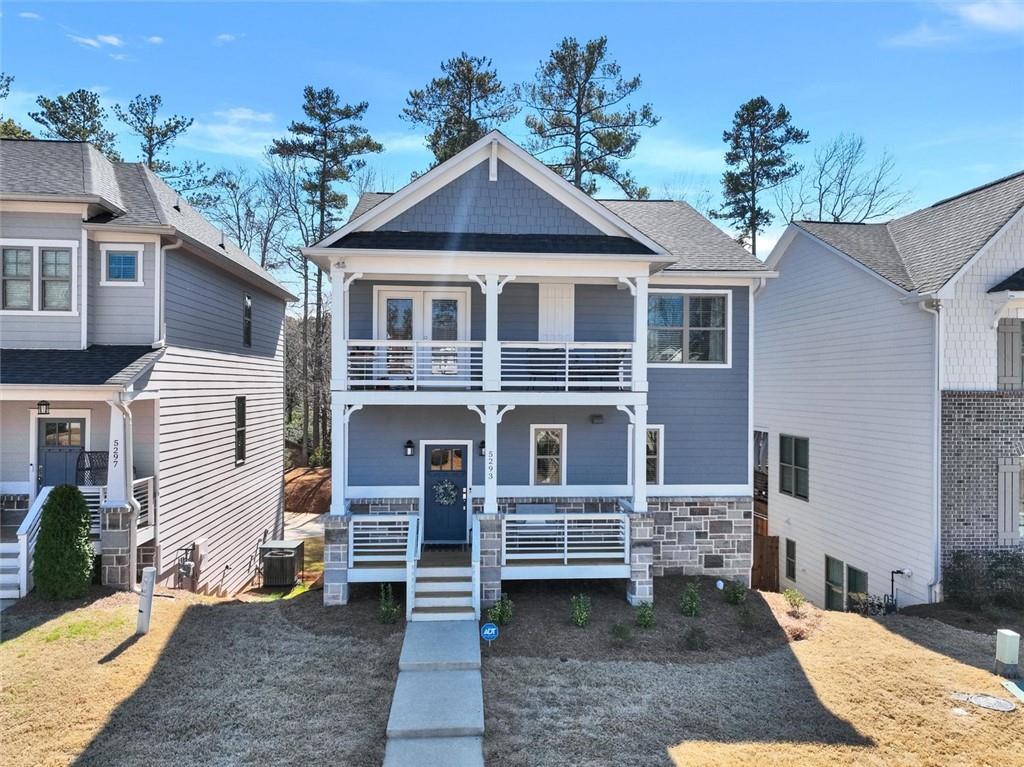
{"x": 972, "y": 191}
{"x": 157, "y": 207}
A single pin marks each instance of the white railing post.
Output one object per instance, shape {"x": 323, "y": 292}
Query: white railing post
{"x": 624, "y": 522}
{"x": 411, "y": 557}
{"x": 565, "y": 541}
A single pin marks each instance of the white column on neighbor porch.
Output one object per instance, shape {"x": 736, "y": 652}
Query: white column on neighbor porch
{"x": 640, "y": 457}
{"x": 640, "y": 334}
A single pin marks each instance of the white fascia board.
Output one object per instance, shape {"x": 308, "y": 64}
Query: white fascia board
{"x": 35, "y": 392}
{"x": 706, "y": 277}
{"x": 946, "y": 291}
{"x": 512, "y": 155}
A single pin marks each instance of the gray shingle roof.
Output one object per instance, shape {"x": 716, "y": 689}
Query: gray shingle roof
{"x": 681, "y": 230}
{"x": 923, "y": 250}
{"x": 96, "y": 366}
{"x": 136, "y": 195}
{"x": 494, "y": 243}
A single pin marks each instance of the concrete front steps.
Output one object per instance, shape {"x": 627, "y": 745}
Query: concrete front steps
{"x": 443, "y": 594}
{"x": 437, "y": 712}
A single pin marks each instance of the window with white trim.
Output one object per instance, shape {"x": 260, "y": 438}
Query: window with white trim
{"x": 794, "y": 466}
{"x": 122, "y": 265}
{"x": 246, "y": 319}
{"x": 55, "y": 279}
{"x": 547, "y": 454}
{"x": 17, "y": 278}
{"x": 655, "y": 455}
{"x": 687, "y": 328}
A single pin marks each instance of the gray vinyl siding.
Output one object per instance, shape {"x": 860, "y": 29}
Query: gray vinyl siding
{"x": 203, "y": 308}
{"x": 705, "y": 412}
{"x": 518, "y": 312}
{"x": 603, "y": 313}
{"x": 121, "y": 314}
{"x": 472, "y": 203}
{"x": 42, "y": 330}
{"x": 597, "y": 453}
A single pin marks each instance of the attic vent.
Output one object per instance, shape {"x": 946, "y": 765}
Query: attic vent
{"x": 223, "y": 246}
{"x": 177, "y": 204}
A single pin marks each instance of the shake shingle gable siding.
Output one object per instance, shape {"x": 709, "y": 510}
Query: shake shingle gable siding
{"x": 494, "y": 243}
{"x": 96, "y": 366}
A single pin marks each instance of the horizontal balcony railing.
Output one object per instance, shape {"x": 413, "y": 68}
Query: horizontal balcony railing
{"x": 521, "y": 365}
{"x": 566, "y": 365}
{"x": 564, "y": 538}
{"x": 415, "y": 364}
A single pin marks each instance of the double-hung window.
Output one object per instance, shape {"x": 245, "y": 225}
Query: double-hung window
{"x": 688, "y": 328}
{"x": 122, "y": 265}
{"x": 55, "y": 279}
{"x": 239, "y": 430}
{"x": 17, "y": 278}
{"x": 547, "y": 454}
{"x": 794, "y": 466}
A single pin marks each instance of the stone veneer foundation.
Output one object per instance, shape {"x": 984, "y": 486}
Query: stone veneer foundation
{"x": 978, "y": 429}
{"x": 115, "y": 547}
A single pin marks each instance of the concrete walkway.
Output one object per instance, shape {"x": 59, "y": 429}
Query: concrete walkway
{"x": 437, "y": 712}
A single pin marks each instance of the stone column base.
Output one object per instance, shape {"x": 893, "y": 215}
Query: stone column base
{"x": 490, "y": 558}
{"x": 641, "y": 578}
{"x": 336, "y": 560}
{"x": 115, "y": 547}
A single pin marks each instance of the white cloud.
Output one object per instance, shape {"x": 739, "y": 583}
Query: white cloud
{"x": 155, "y": 40}
{"x": 86, "y": 42}
{"x": 227, "y": 37}
{"x": 119, "y": 56}
{"x": 113, "y": 40}
{"x": 678, "y": 156}
{"x": 402, "y": 142}
{"x": 924, "y": 35}
{"x": 244, "y": 114}
{"x": 30, "y": 15}
{"x": 995, "y": 15}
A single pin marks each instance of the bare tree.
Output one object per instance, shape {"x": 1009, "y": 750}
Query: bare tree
{"x": 251, "y": 207}
{"x": 371, "y": 179}
{"x": 842, "y": 184}
{"x": 689, "y": 189}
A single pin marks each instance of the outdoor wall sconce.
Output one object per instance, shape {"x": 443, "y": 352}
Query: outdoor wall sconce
{"x": 410, "y": 448}
{"x": 43, "y": 407}
{"x": 483, "y": 448}
{"x": 596, "y": 419}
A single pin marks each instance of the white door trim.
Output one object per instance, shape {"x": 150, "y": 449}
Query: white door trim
{"x": 33, "y": 438}
{"x": 469, "y": 480}
{"x": 420, "y": 300}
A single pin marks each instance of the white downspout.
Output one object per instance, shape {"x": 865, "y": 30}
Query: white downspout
{"x": 128, "y": 462}
{"x": 161, "y": 290}
{"x": 936, "y": 309}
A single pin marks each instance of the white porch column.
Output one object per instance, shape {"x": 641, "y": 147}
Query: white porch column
{"x": 640, "y": 456}
{"x": 119, "y": 512}
{"x": 492, "y": 353}
{"x": 339, "y": 329}
{"x": 339, "y": 455}
{"x": 490, "y": 459}
{"x": 119, "y": 459}
{"x": 640, "y": 334}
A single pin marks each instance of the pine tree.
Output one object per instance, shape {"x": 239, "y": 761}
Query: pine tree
{"x": 8, "y": 127}
{"x": 573, "y": 96}
{"x": 462, "y": 105}
{"x": 329, "y": 144}
{"x": 77, "y": 116}
{"x": 759, "y": 160}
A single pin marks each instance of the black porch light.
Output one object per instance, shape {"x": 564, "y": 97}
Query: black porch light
{"x": 43, "y": 407}
{"x": 483, "y": 447}
{"x": 410, "y": 448}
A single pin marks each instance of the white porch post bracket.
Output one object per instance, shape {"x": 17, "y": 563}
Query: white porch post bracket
{"x": 490, "y": 416}
{"x": 340, "y": 415}
{"x": 640, "y": 334}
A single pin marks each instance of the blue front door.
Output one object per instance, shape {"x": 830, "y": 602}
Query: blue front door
{"x": 444, "y": 494}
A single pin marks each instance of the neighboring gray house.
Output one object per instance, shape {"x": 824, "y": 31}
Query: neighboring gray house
{"x": 133, "y": 335}
{"x": 891, "y": 391}
{"x": 562, "y": 383}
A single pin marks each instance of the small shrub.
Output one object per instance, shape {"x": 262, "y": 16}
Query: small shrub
{"x": 388, "y": 609}
{"x": 1005, "y": 573}
{"x": 689, "y": 603}
{"x": 62, "y": 567}
{"x": 964, "y": 580}
{"x": 745, "y": 615}
{"x": 622, "y": 634}
{"x": 695, "y": 638}
{"x": 580, "y": 610}
{"x": 735, "y": 593}
{"x": 645, "y": 615}
{"x": 865, "y": 604}
{"x": 501, "y": 612}
{"x": 794, "y": 599}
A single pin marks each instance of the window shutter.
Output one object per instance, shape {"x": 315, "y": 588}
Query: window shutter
{"x": 1010, "y": 354}
{"x": 1009, "y": 500}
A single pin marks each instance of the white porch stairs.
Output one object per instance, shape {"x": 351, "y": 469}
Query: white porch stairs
{"x": 10, "y": 571}
{"x": 443, "y": 594}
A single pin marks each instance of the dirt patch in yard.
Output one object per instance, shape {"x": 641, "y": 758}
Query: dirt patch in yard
{"x": 858, "y": 692}
{"x": 986, "y": 621}
{"x": 307, "y": 491}
{"x": 541, "y": 625}
{"x": 216, "y": 681}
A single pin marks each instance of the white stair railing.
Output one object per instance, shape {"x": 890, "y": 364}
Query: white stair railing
{"x": 28, "y": 533}
{"x": 95, "y": 495}
{"x": 475, "y": 553}
{"x": 565, "y": 538}
{"x": 412, "y": 556}
{"x": 142, "y": 490}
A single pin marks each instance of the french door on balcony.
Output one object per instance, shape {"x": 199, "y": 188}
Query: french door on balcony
{"x": 421, "y": 315}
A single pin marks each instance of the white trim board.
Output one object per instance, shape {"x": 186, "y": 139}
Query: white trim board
{"x": 728, "y": 330}
{"x": 33, "y": 437}
{"x": 411, "y": 492}
{"x": 136, "y": 248}
{"x": 36, "y": 245}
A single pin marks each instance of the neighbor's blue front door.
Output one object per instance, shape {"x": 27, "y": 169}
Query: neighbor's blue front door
{"x": 444, "y": 491}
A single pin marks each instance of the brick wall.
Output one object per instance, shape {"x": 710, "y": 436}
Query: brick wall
{"x": 978, "y": 428}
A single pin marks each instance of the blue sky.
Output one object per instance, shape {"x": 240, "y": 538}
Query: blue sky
{"x": 939, "y": 85}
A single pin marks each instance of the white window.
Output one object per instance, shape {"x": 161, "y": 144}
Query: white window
{"x": 38, "y": 276}
{"x": 547, "y": 454}
{"x": 122, "y": 265}
{"x": 655, "y": 455}
{"x": 689, "y": 327}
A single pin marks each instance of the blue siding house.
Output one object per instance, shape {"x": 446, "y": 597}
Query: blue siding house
{"x": 554, "y": 386}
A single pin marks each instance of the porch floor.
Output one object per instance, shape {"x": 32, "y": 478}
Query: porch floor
{"x": 443, "y": 557}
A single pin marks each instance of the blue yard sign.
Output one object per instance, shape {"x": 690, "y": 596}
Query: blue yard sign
{"x": 489, "y": 632}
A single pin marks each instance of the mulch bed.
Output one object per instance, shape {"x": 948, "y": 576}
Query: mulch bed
{"x": 541, "y": 626}
{"x": 357, "y": 619}
{"x": 985, "y": 621}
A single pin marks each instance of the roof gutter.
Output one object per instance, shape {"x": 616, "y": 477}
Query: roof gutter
{"x": 934, "y": 307}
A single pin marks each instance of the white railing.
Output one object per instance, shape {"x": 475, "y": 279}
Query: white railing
{"x": 566, "y": 365}
{"x": 475, "y": 560}
{"x": 412, "y": 557}
{"x": 377, "y": 539}
{"x": 415, "y": 364}
{"x": 95, "y": 495}
{"x": 28, "y": 532}
{"x": 565, "y": 538}
{"x": 142, "y": 490}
